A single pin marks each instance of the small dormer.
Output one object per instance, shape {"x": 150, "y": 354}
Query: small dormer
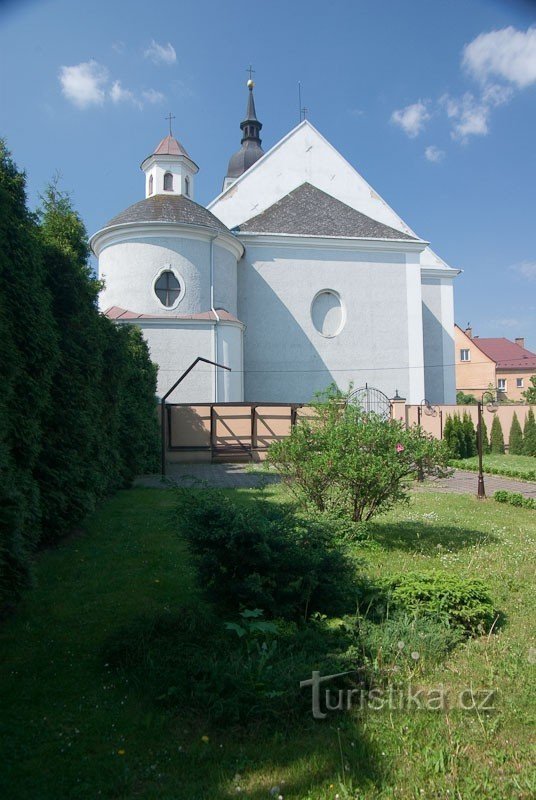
{"x": 169, "y": 170}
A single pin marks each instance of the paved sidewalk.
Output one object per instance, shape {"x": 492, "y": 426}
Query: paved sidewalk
{"x": 465, "y": 482}
{"x": 238, "y": 476}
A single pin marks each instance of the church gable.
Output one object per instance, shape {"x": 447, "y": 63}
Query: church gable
{"x": 303, "y": 156}
{"x": 308, "y": 211}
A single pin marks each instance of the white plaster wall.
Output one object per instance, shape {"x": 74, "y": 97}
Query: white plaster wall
{"x": 286, "y": 359}
{"x": 179, "y": 170}
{"x": 438, "y": 333}
{"x": 230, "y": 384}
{"x": 173, "y": 348}
{"x": 304, "y": 155}
{"x": 225, "y": 280}
{"x": 130, "y": 268}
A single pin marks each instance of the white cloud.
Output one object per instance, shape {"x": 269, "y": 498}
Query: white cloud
{"x": 120, "y": 95}
{"x": 153, "y": 96}
{"x": 470, "y": 115}
{"x": 527, "y": 269}
{"x": 508, "y": 322}
{"x": 412, "y": 118}
{"x": 434, "y": 154}
{"x": 161, "y": 53}
{"x": 119, "y": 47}
{"x": 83, "y": 84}
{"x": 509, "y": 54}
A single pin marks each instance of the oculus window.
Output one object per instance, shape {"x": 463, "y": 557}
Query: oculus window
{"x": 167, "y": 288}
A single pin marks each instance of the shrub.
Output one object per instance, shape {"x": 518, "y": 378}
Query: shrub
{"x": 264, "y": 556}
{"x": 515, "y": 439}
{"x": 530, "y": 393}
{"x": 463, "y": 399}
{"x": 463, "y": 602}
{"x": 460, "y": 436}
{"x": 470, "y": 436}
{"x": 485, "y": 437}
{"x": 196, "y": 664}
{"x": 514, "y": 499}
{"x": 529, "y": 434}
{"x": 356, "y": 463}
{"x": 496, "y": 437}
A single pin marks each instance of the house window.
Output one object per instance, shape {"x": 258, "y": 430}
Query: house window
{"x": 150, "y": 184}
{"x": 501, "y": 384}
{"x": 519, "y": 383}
{"x": 168, "y": 182}
{"x": 187, "y": 186}
{"x": 167, "y": 288}
{"x": 465, "y": 355}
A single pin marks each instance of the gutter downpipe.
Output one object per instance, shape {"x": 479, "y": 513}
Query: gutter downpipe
{"x": 215, "y": 338}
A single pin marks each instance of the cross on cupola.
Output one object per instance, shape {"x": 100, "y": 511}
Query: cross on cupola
{"x": 169, "y": 118}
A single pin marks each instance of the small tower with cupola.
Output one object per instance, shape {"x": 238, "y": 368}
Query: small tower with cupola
{"x": 169, "y": 170}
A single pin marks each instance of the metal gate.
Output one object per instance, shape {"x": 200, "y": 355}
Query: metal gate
{"x": 371, "y": 400}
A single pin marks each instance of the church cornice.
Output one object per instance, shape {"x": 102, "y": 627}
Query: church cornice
{"x": 127, "y": 231}
{"x": 333, "y": 242}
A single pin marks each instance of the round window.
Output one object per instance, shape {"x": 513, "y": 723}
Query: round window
{"x": 167, "y": 288}
{"x": 327, "y": 313}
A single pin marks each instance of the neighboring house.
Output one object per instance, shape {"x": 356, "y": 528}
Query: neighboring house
{"x": 297, "y": 275}
{"x": 501, "y": 363}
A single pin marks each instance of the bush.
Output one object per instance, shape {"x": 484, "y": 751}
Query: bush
{"x": 265, "y": 556}
{"x": 496, "y": 437}
{"x": 529, "y": 434}
{"x": 529, "y": 394}
{"x": 463, "y": 602}
{"x": 195, "y": 663}
{"x": 77, "y": 401}
{"x": 355, "y": 463}
{"x": 463, "y": 399}
{"x": 515, "y": 439}
{"x": 460, "y": 436}
{"x": 514, "y": 499}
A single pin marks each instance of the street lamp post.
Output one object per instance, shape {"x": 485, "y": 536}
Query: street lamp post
{"x": 491, "y": 405}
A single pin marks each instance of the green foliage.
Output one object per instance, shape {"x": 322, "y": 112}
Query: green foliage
{"x": 464, "y": 602}
{"x": 264, "y": 556}
{"x": 196, "y": 663}
{"x": 514, "y": 499}
{"x": 515, "y": 439}
{"x": 529, "y": 434}
{"x": 354, "y": 463}
{"x": 496, "y": 442}
{"x": 530, "y": 393}
{"x": 77, "y": 407}
{"x": 509, "y": 472}
{"x": 460, "y": 436}
{"x": 485, "y": 437}
{"x": 463, "y": 399}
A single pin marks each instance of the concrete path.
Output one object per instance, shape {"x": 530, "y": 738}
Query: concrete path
{"x": 238, "y": 476}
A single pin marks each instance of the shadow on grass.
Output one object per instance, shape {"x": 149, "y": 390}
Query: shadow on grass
{"x": 427, "y": 539}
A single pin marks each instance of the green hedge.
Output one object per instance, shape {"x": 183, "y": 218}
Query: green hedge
{"x": 514, "y": 499}
{"x": 524, "y": 475}
{"x": 77, "y": 393}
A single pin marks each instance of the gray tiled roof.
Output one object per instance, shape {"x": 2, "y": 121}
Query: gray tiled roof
{"x": 308, "y": 211}
{"x": 168, "y": 208}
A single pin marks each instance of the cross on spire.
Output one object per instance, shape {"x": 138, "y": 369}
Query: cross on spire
{"x": 251, "y": 72}
{"x": 169, "y": 118}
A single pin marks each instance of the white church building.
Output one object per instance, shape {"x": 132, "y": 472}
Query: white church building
{"x": 297, "y": 275}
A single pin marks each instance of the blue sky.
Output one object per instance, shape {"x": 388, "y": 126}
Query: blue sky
{"x": 433, "y": 102}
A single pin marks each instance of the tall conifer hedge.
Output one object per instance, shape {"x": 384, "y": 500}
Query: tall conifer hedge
{"x": 77, "y": 394}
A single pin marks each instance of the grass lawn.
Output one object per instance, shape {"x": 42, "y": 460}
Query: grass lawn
{"x": 524, "y": 465}
{"x": 71, "y": 729}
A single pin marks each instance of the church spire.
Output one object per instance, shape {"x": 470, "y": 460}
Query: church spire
{"x": 251, "y": 149}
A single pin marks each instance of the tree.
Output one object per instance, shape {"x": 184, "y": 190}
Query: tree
{"x": 485, "y": 439}
{"x": 529, "y": 434}
{"x": 469, "y": 435}
{"x": 28, "y": 357}
{"x": 496, "y": 437}
{"x": 463, "y": 399}
{"x": 515, "y": 439}
{"x": 346, "y": 461}
{"x": 530, "y": 393}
